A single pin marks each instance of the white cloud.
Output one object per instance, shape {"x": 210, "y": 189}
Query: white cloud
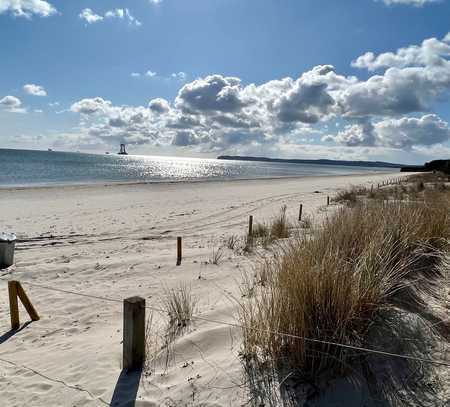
{"x": 35, "y": 90}
{"x": 403, "y": 133}
{"x": 12, "y": 104}
{"x": 179, "y": 75}
{"x": 150, "y": 74}
{"x": 159, "y": 106}
{"x": 431, "y": 52}
{"x": 416, "y": 76}
{"x": 27, "y": 8}
{"x": 91, "y": 106}
{"x": 89, "y": 16}
{"x": 416, "y": 3}
{"x": 135, "y": 75}
{"x": 219, "y": 113}
{"x": 155, "y": 1}
{"x": 118, "y": 13}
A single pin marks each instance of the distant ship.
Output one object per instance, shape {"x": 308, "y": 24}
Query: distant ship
{"x": 49, "y": 150}
{"x": 122, "y": 150}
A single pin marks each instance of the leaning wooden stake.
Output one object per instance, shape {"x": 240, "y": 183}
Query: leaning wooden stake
{"x": 250, "y": 226}
{"x": 15, "y": 290}
{"x": 300, "y": 211}
{"x": 328, "y": 200}
{"x": 13, "y": 305}
{"x": 179, "y": 250}
{"x": 133, "y": 333}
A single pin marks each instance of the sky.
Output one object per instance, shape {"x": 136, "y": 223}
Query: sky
{"x": 347, "y": 79}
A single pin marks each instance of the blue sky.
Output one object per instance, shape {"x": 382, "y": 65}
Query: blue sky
{"x": 206, "y": 77}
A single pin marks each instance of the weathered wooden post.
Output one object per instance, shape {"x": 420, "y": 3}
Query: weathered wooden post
{"x": 27, "y": 303}
{"x": 300, "y": 211}
{"x": 133, "y": 333}
{"x": 179, "y": 250}
{"x": 15, "y": 291}
{"x": 250, "y": 226}
{"x": 328, "y": 201}
{"x": 13, "y": 304}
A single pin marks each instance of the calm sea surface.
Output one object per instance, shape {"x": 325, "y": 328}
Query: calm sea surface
{"x": 27, "y": 168}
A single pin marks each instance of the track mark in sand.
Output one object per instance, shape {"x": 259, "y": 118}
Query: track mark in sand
{"x": 69, "y": 386}
{"x": 262, "y": 203}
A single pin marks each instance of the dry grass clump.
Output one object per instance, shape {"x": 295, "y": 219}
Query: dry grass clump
{"x": 267, "y": 233}
{"x": 232, "y": 242}
{"x": 366, "y": 269}
{"x": 279, "y": 229}
{"x": 350, "y": 195}
{"x": 180, "y": 305}
{"x": 216, "y": 256}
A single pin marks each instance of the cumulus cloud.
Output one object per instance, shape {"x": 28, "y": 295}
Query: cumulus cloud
{"x": 27, "y": 8}
{"x": 310, "y": 98}
{"x": 12, "y": 104}
{"x": 118, "y": 13}
{"x": 409, "y": 131}
{"x": 431, "y": 52}
{"x": 89, "y": 16}
{"x": 213, "y": 93}
{"x": 159, "y": 105}
{"x": 415, "y": 77}
{"x": 220, "y": 113}
{"x": 91, "y": 106}
{"x": 35, "y": 90}
{"x": 403, "y": 133}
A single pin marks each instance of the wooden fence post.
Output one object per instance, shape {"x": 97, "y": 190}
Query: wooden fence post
{"x": 15, "y": 290}
{"x": 13, "y": 305}
{"x": 27, "y": 303}
{"x": 328, "y": 200}
{"x": 300, "y": 211}
{"x": 133, "y": 333}
{"x": 250, "y": 226}
{"x": 179, "y": 250}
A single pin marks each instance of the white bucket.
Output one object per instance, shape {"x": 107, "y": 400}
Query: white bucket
{"x": 7, "y": 245}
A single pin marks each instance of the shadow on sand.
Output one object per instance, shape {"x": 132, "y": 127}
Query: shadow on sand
{"x": 13, "y": 332}
{"x": 126, "y": 388}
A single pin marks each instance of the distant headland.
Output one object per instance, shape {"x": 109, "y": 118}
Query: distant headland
{"x": 378, "y": 164}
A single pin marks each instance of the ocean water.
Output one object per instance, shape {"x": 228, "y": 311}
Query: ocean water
{"x": 35, "y": 168}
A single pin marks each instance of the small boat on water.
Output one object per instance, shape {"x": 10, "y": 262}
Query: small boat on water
{"x": 122, "y": 151}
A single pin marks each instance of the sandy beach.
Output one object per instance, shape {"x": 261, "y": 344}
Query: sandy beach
{"x": 117, "y": 241}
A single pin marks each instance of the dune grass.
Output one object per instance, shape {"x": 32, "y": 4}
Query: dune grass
{"x": 277, "y": 228}
{"x": 363, "y": 267}
{"x": 180, "y": 305}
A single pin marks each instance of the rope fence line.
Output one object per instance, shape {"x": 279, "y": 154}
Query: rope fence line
{"x": 236, "y": 325}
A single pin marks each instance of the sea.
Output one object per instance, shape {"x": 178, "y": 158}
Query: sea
{"x": 23, "y": 168}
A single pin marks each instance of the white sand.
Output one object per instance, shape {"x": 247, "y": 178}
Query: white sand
{"x": 118, "y": 241}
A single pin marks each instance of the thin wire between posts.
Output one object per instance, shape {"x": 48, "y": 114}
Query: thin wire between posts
{"x": 235, "y": 325}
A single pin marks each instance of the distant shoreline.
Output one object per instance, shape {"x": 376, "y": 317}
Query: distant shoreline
{"x": 347, "y": 163}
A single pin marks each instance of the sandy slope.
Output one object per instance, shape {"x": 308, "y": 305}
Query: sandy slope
{"x": 117, "y": 241}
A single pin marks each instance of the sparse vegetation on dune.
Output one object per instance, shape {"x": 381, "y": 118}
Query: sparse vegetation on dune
{"x": 179, "y": 304}
{"x": 266, "y": 233}
{"x": 363, "y": 277}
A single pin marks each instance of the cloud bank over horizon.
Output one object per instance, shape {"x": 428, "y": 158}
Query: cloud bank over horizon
{"x": 390, "y": 110}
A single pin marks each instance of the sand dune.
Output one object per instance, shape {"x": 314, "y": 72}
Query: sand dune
{"x": 117, "y": 241}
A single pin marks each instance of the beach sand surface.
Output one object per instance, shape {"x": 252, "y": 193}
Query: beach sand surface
{"x": 118, "y": 241}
